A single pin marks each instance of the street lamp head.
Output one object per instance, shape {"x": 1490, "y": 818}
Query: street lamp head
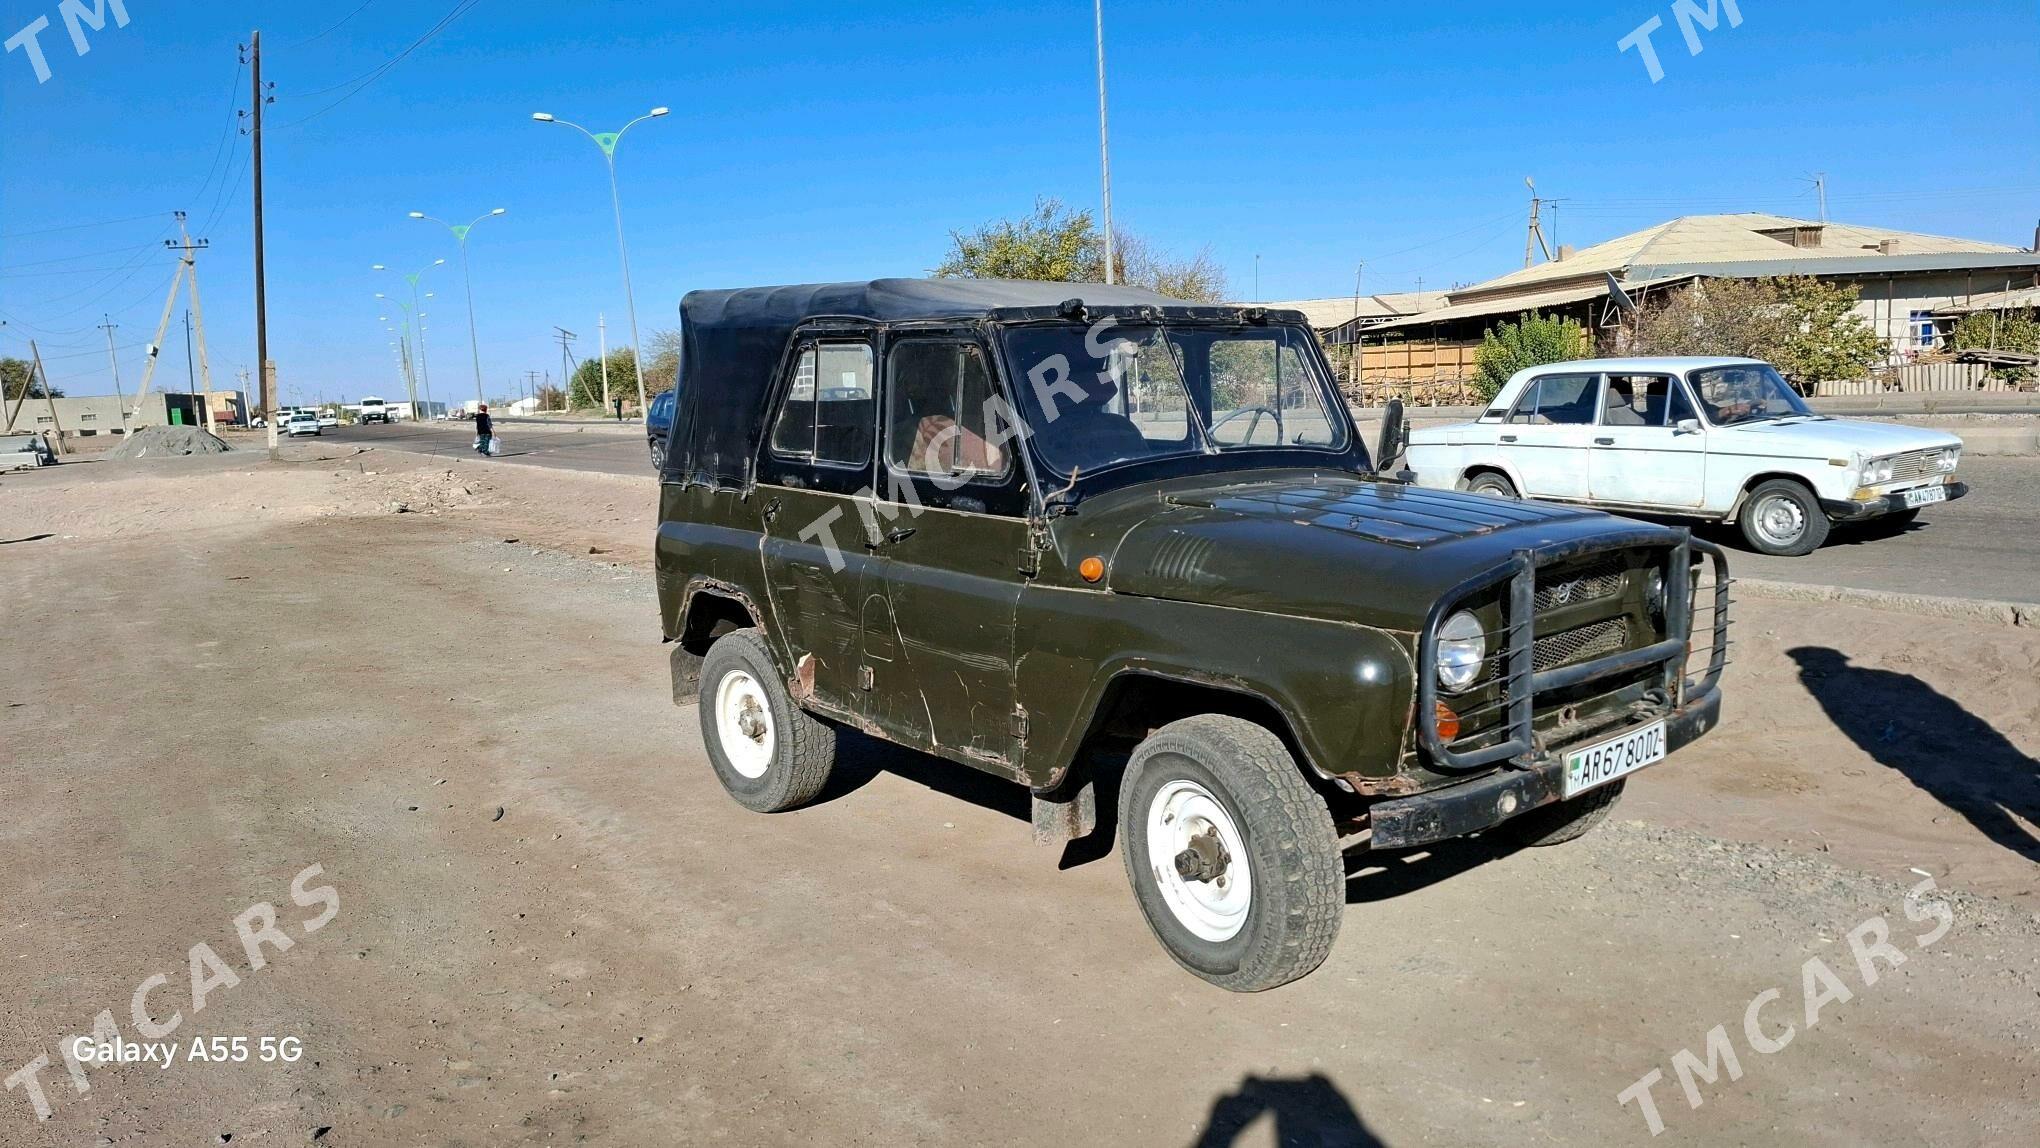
{"x": 437, "y": 262}
{"x": 380, "y": 295}
{"x": 378, "y": 267}
{"x": 661, "y": 111}
{"x": 542, "y": 117}
{"x": 417, "y": 215}
{"x": 499, "y": 211}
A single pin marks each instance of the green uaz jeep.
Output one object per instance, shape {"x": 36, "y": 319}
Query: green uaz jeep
{"x": 1082, "y": 537}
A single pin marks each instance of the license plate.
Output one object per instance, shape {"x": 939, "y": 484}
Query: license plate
{"x": 1617, "y": 757}
{"x": 1926, "y": 496}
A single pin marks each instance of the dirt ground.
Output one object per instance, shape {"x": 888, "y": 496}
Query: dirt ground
{"x": 444, "y": 686}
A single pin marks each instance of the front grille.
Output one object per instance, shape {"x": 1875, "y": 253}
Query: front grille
{"x": 1601, "y": 580}
{"x": 1591, "y": 641}
{"x": 1917, "y": 465}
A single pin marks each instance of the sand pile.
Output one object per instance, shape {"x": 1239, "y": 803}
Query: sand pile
{"x": 168, "y": 441}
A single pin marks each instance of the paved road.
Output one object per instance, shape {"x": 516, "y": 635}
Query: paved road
{"x": 1985, "y": 546}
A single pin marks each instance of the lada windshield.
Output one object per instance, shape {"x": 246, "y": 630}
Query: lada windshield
{"x": 1745, "y": 393}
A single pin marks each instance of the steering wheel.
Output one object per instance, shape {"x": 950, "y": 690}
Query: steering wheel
{"x": 1258, "y": 412}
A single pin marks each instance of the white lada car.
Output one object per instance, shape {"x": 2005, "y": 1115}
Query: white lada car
{"x": 1726, "y": 440}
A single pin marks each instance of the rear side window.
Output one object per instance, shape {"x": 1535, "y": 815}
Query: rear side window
{"x": 1561, "y": 399}
{"x": 940, "y": 398}
{"x": 830, "y": 412}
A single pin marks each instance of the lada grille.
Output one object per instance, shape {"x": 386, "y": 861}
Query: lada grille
{"x": 1916, "y": 465}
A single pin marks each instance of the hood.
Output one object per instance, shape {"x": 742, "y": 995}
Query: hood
{"x": 1827, "y": 438}
{"x": 1332, "y": 546}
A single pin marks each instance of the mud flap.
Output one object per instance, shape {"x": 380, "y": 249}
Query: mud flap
{"x": 1061, "y": 822}
{"x": 686, "y": 675}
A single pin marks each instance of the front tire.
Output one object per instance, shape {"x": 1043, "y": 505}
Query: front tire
{"x": 1562, "y": 821}
{"x": 1233, "y": 859}
{"x": 658, "y": 454}
{"x": 770, "y": 754}
{"x": 1782, "y": 517}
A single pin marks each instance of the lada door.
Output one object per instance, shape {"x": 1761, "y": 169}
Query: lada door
{"x": 948, "y": 531}
{"x": 1650, "y": 449}
{"x": 815, "y": 462}
{"x": 1547, "y": 435}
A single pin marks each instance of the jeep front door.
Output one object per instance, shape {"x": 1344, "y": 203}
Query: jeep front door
{"x": 949, "y": 532}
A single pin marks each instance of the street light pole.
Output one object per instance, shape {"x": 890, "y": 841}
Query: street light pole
{"x": 607, "y": 141}
{"x": 417, "y": 313}
{"x": 460, "y": 234}
{"x": 1104, "y": 140}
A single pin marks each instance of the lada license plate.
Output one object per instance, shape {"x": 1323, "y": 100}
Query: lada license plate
{"x": 1926, "y": 495}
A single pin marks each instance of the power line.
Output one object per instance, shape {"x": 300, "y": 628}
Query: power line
{"x": 226, "y": 133}
{"x": 87, "y": 255}
{"x": 82, "y": 226}
{"x": 362, "y": 82}
{"x": 335, "y": 28}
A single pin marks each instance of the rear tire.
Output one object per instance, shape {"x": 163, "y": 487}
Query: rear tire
{"x": 1782, "y": 517}
{"x": 1492, "y": 484}
{"x": 770, "y": 754}
{"x": 1563, "y": 821}
{"x": 1265, "y": 902}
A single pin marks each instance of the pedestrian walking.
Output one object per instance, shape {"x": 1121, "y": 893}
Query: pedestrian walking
{"x": 485, "y": 431}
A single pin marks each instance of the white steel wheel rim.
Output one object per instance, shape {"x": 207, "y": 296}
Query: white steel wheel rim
{"x": 1780, "y": 520}
{"x": 1214, "y": 910}
{"x": 743, "y": 724}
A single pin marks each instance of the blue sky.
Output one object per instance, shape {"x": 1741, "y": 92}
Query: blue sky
{"x": 833, "y": 142}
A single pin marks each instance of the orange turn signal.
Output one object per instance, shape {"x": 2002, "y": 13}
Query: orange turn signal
{"x": 1092, "y": 569}
{"x": 1448, "y": 724}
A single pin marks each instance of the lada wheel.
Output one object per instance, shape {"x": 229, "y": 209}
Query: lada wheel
{"x": 1232, "y": 857}
{"x": 769, "y": 753}
{"x": 1782, "y": 517}
{"x": 1491, "y": 484}
{"x": 1563, "y": 821}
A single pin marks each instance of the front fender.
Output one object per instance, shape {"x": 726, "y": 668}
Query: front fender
{"x": 1345, "y": 690}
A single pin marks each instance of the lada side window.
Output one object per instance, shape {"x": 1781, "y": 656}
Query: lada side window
{"x": 940, "y": 418}
{"x": 1560, "y": 399}
{"x": 1644, "y": 401}
{"x": 830, "y": 410}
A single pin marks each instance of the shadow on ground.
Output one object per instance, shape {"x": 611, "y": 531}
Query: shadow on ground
{"x": 1909, "y": 726}
{"x": 1308, "y": 1111}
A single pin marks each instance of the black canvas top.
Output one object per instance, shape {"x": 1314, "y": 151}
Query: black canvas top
{"x": 733, "y": 343}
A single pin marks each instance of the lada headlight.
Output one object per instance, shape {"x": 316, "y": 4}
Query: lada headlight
{"x": 1949, "y": 459}
{"x": 1462, "y": 649}
{"x": 1877, "y": 472}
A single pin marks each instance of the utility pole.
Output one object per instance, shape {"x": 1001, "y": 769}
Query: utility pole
{"x": 1359, "y": 270}
{"x": 530, "y": 381}
{"x": 567, "y": 363}
{"x": 113, "y": 360}
{"x": 198, "y": 311}
{"x": 49, "y": 396}
{"x": 262, "y": 363}
{"x": 1104, "y": 139}
{"x": 190, "y": 376}
{"x": 1819, "y": 181}
{"x": 1535, "y": 239}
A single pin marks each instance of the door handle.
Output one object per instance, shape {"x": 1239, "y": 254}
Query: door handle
{"x": 771, "y": 510}
{"x": 1604, "y": 442}
{"x": 1508, "y": 438}
{"x": 892, "y": 536}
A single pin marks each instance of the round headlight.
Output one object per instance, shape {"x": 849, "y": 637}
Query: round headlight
{"x": 1462, "y": 650}
{"x": 1654, "y": 593}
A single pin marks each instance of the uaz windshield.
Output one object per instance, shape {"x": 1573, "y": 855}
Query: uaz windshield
{"x": 1104, "y": 396}
{"x": 1746, "y": 392}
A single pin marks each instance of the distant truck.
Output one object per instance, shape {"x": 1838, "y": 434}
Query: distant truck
{"x": 376, "y": 411}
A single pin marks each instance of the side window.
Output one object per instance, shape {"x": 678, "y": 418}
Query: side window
{"x": 939, "y": 410}
{"x": 1561, "y": 399}
{"x": 1637, "y": 401}
{"x": 830, "y": 410}
{"x": 1681, "y": 407}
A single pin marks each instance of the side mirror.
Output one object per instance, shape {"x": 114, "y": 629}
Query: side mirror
{"x": 1394, "y": 436}
{"x": 1687, "y": 426}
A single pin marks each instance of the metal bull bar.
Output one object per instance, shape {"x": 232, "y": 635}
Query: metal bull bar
{"x": 1522, "y": 682}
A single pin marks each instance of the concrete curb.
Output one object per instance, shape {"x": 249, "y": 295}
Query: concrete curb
{"x": 1921, "y": 605}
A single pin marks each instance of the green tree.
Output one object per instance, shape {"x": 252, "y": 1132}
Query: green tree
{"x": 1059, "y": 244}
{"x": 15, "y": 380}
{"x": 586, "y": 387}
{"x": 1531, "y": 341}
{"x": 1999, "y": 331}
{"x": 1808, "y": 328}
{"x": 662, "y": 372}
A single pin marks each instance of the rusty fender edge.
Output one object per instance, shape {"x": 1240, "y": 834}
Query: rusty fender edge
{"x": 1472, "y": 806}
